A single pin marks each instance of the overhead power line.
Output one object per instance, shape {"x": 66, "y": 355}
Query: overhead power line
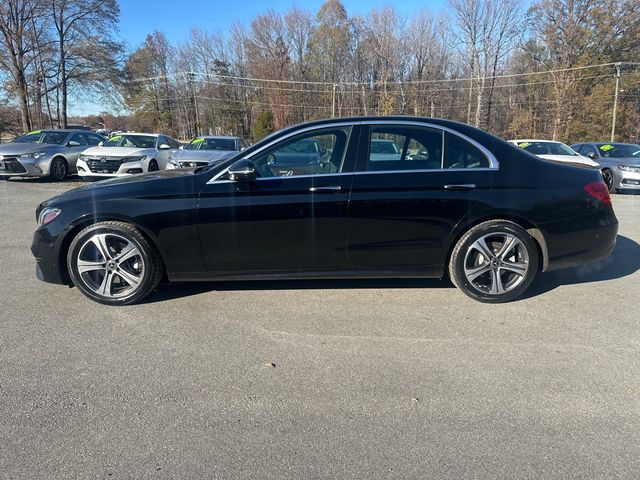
{"x": 185, "y": 75}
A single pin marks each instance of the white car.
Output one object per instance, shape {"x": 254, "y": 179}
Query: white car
{"x": 127, "y": 154}
{"x": 554, "y": 151}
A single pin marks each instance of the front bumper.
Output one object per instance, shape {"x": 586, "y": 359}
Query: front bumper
{"x": 46, "y": 250}
{"x": 627, "y": 180}
{"x": 16, "y": 167}
{"x": 110, "y": 169}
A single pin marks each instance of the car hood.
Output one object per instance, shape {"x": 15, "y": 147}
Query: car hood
{"x": 21, "y": 148}
{"x": 118, "y": 151}
{"x": 576, "y": 160}
{"x": 203, "y": 155}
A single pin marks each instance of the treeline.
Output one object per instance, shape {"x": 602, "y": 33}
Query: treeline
{"x": 548, "y": 71}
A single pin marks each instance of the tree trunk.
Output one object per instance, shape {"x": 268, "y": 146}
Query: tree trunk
{"x": 63, "y": 83}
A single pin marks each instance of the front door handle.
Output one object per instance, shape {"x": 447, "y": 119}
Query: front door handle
{"x": 326, "y": 189}
{"x": 460, "y": 186}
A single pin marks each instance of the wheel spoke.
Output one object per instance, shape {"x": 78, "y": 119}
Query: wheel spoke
{"x": 100, "y": 241}
{"x": 89, "y": 266}
{"x": 130, "y": 278}
{"x": 496, "y": 283}
{"x": 105, "y": 286}
{"x": 483, "y": 248}
{"x": 518, "y": 268}
{"x": 126, "y": 253}
{"x": 475, "y": 272}
{"x": 510, "y": 242}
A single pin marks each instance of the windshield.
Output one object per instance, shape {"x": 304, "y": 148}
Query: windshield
{"x": 547, "y": 148}
{"x": 131, "y": 141}
{"x": 619, "y": 150}
{"x": 212, "y": 144}
{"x": 53, "y": 138}
{"x": 31, "y": 137}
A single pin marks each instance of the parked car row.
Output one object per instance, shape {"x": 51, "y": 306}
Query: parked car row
{"x": 58, "y": 153}
{"x": 619, "y": 163}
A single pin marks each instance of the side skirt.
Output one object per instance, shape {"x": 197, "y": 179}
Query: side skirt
{"x": 422, "y": 272}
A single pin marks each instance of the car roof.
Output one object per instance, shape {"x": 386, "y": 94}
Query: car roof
{"x": 142, "y": 134}
{"x": 221, "y": 137}
{"x": 533, "y": 140}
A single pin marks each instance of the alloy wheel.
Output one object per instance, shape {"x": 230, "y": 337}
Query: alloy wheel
{"x": 496, "y": 263}
{"x": 607, "y": 176}
{"x": 110, "y": 265}
{"x": 58, "y": 169}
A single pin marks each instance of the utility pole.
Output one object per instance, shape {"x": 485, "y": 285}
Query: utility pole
{"x": 615, "y": 103}
{"x": 194, "y": 102}
{"x": 333, "y": 102}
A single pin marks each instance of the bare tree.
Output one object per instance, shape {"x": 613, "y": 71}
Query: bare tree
{"x": 18, "y": 41}
{"x": 85, "y": 43}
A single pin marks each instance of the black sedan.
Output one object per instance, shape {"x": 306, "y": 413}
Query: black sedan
{"x": 454, "y": 200}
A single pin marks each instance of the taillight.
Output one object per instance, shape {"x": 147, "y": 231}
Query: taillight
{"x": 599, "y": 191}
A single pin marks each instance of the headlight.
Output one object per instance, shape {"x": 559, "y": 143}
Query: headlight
{"x": 141, "y": 158}
{"x": 629, "y": 168}
{"x": 34, "y": 156}
{"x": 83, "y": 158}
{"x": 47, "y": 215}
{"x": 175, "y": 163}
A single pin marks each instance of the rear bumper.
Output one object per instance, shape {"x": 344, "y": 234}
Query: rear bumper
{"x": 585, "y": 247}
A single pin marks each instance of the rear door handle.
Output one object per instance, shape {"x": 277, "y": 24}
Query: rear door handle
{"x": 326, "y": 189}
{"x": 460, "y": 186}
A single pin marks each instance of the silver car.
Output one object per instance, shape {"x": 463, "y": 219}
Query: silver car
{"x": 203, "y": 150}
{"x": 45, "y": 153}
{"x": 619, "y": 162}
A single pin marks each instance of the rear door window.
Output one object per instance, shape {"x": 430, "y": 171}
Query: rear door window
{"x": 402, "y": 147}
{"x": 461, "y": 154}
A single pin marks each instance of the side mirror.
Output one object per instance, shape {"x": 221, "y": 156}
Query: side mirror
{"x": 242, "y": 171}
{"x": 592, "y": 155}
{"x": 100, "y": 144}
{"x": 181, "y": 147}
{"x": 73, "y": 143}
{"x": 164, "y": 146}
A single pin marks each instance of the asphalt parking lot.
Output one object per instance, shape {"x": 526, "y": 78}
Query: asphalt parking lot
{"x": 343, "y": 379}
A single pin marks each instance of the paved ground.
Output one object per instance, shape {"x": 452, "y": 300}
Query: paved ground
{"x": 393, "y": 379}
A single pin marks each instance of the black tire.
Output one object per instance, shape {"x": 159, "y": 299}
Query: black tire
{"x": 145, "y": 267}
{"x": 153, "y": 166}
{"x": 498, "y": 268}
{"x": 609, "y": 179}
{"x": 58, "y": 170}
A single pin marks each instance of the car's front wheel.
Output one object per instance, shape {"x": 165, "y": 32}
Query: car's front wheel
{"x": 607, "y": 176}
{"x": 494, "y": 261}
{"x": 58, "y": 170}
{"x": 113, "y": 263}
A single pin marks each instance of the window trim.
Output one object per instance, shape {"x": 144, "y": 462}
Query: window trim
{"x": 493, "y": 161}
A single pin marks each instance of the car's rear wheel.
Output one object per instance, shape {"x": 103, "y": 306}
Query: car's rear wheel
{"x": 494, "y": 261}
{"x": 58, "y": 170}
{"x": 113, "y": 263}
{"x": 607, "y": 176}
{"x": 153, "y": 166}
